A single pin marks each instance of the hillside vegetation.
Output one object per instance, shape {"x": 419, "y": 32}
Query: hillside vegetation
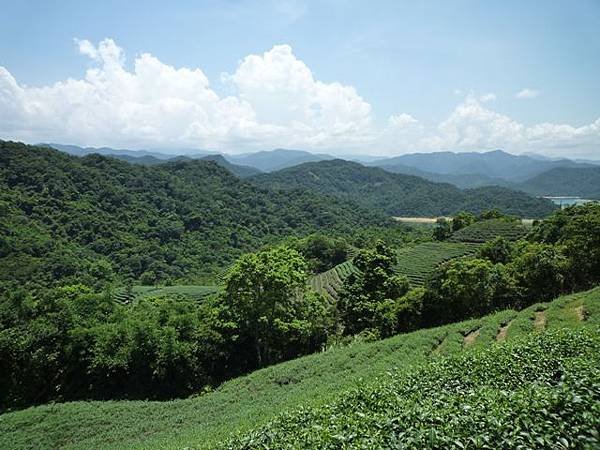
{"x": 566, "y": 181}
{"x": 246, "y": 403}
{"x": 96, "y": 220}
{"x": 398, "y": 194}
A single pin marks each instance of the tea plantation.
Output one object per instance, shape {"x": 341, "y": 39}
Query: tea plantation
{"x": 419, "y": 261}
{"x": 328, "y": 283}
{"x": 197, "y": 292}
{"x": 539, "y": 392}
{"x": 486, "y": 230}
{"x": 370, "y": 380}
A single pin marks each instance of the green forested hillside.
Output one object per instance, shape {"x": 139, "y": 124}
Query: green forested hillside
{"x": 95, "y": 219}
{"x": 252, "y": 401}
{"x": 566, "y": 181}
{"x": 239, "y": 170}
{"x": 398, "y": 194}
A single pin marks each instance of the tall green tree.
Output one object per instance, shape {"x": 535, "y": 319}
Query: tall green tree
{"x": 498, "y": 250}
{"x": 463, "y": 219}
{"x": 464, "y": 288}
{"x": 540, "y": 271}
{"x": 370, "y": 299}
{"x": 442, "y": 230}
{"x": 577, "y": 229}
{"x": 267, "y": 296}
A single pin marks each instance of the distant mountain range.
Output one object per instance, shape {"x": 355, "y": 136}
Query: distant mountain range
{"x": 108, "y": 151}
{"x": 533, "y": 173}
{"x": 495, "y": 165}
{"x": 270, "y": 161}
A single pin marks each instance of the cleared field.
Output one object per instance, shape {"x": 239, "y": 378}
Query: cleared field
{"x": 328, "y": 283}
{"x": 489, "y": 229}
{"x": 420, "y": 220}
{"x": 248, "y": 402}
{"x": 419, "y": 261}
{"x": 193, "y": 291}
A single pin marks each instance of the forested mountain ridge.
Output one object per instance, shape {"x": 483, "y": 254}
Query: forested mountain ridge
{"x": 237, "y": 169}
{"x": 149, "y": 158}
{"x": 566, "y": 181}
{"x": 96, "y": 219}
{"x": 399, "y": 194}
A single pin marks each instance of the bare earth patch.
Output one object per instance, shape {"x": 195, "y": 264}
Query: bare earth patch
{"x": 539, "y": 322}
{"x": 502, "y": 331}
{"x": 472, "y": 337}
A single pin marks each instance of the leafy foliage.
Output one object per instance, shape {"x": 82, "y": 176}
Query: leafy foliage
{"x": 466, "y": 288}
{"x": 266, "y": 295}
{"x": 370, "y": 296}
{"x": 71, "y": 343}
{"x": 322, "y": 252}
{"x": 498, "y": 250}
{"x": 577, "y": 229}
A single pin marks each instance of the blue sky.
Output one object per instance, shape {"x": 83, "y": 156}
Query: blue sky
{"x": 424, "y": 75}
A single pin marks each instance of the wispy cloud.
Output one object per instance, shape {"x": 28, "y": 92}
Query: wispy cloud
{"x": 527, "y": 93}
{"x": 489, "y": 97}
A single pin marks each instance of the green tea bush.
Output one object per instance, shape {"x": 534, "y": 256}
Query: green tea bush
{"x": 541, "y": 392}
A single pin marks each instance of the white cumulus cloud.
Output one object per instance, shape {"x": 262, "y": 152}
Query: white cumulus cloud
{"x": 279, "y": 103}
{"x": 276, "y": 101}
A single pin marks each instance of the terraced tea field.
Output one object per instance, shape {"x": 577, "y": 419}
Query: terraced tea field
{"x": 328, "y": 283}
{"x": 418, "y": 262}
{"x": 196, "y": 292}
{"x": 487, "y": 230}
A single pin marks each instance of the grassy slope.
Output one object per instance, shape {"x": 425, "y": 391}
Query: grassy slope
{"x": 249, "y": 402}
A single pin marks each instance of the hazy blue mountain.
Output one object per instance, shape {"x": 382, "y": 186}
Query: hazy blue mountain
{"x": 463, "y": 181}
{"x": 495, "y": 164}
{"x": 146, "y": 160}
{"x": 566, "y": 181}
{"x": 269, "y": 161}
{"x": 108, "y": 151}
